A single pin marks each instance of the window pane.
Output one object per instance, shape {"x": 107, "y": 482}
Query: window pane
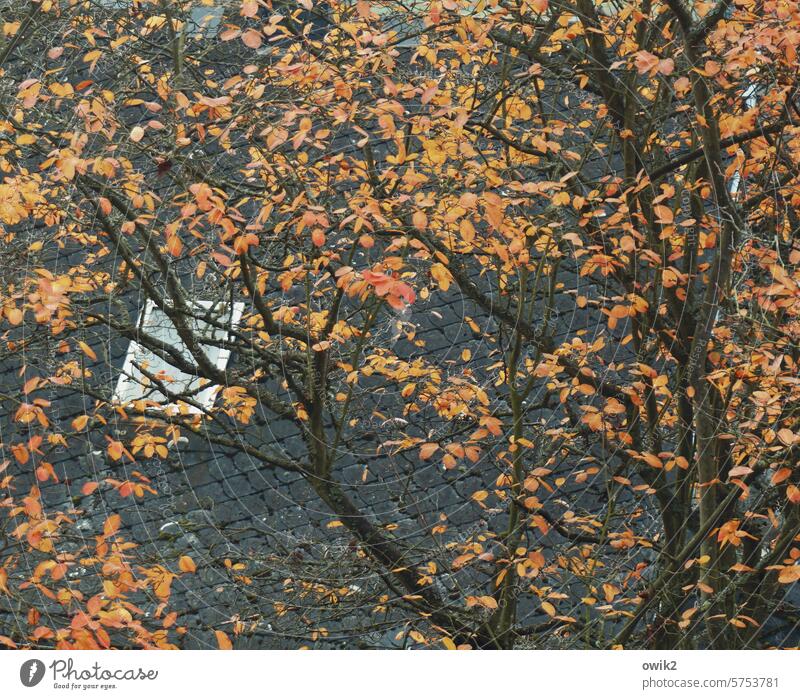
{"x": 134, "y": 384}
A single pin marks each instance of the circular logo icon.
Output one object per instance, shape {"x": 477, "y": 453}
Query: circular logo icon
{"x": 31, "y": 672}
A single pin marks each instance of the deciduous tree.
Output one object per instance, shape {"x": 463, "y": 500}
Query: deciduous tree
{"x": 609, "y": 189}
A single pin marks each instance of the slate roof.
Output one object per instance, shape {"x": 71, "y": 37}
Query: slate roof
{"x": 216, "y": 504}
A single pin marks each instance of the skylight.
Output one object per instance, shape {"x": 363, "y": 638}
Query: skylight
{"x": 134, "y": 383}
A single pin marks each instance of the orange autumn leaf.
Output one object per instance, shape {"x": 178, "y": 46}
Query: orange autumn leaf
{"x": 88, "y": 351}
{"x": 89, "y": 488}
{"x": 780, "y": 475}
{"x": 789, "y": 574}
{"x": 548, "y": 609}
{"x": 223, "y": 641}
{"x": 427, "y": 450}
{"x": 787, "y": 437}
{"x": 652, "y": 460}
{"x": 115, "y": 449}
{"x": 486, "y": 601}
{"x": 251, "y": 38}
{"x": 80, "y": 422}
{"x": 186, "y": 564}
{"x": 112, "y": 525}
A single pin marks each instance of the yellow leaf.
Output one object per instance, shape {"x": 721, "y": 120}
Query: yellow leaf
{"x": 14, "y": 315}
{"x": 610, "y": 591}
{"x": 561, "y": 199}
{"x": 548, "y": 609}
{"x": 467, "y": 231}
{"x": 442, "y": 276}
{"x": 88, "y": 351}
{"x": 480, "y": 495}
{"x": 417, "y": 637}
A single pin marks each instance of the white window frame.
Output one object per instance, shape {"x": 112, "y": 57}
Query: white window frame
{"x": 394, "y": 21}
{"x": 205, "y": 20}
{"x": 132, "y": 385}
{"x": 202, "y": 20}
